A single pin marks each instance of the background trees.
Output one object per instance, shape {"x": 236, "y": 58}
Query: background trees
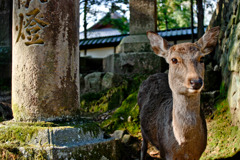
{"x": 173, "y": 14}
{"x": 91, "y": 9}
{"x": 170, "y": 13}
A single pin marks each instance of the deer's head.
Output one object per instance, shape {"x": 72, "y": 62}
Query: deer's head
{"x": 186, "y": 60}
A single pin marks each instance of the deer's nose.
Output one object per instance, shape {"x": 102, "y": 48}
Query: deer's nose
{"x": 196, "y": 83}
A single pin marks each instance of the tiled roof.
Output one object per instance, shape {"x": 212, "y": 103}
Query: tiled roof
{"x": 171, "y": 35}
{"x": 104, "y": 32}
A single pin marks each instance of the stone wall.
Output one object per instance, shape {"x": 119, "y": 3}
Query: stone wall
{"x": 227, "y": 53}
{"x": 134, "y": 63}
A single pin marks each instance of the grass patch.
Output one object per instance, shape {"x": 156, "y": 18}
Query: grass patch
{"x": 223, "y": 137}
{"x": 104, "y": 101}
{"x": 112, "y": 98}
{"x": 125, "y": 117}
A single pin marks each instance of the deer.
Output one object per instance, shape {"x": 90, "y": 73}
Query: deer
{"x": 170, "y": 115}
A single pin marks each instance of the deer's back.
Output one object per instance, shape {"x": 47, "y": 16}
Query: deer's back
{"x": 155, "y": 102}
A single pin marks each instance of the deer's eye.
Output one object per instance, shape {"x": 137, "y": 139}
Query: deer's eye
{"x": 202, "y": 60}
{"x": 174, "y": 61}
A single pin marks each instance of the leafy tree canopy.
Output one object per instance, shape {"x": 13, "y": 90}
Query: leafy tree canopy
{"x": 91, "y": 9}
{"x": 173, "y": 14}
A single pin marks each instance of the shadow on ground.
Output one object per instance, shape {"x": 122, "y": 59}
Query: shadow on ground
{"x": 235, "y": 157}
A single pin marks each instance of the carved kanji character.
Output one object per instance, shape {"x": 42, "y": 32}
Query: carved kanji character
{"x": 33, "y": 26}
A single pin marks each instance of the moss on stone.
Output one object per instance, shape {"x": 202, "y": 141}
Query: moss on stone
{"x": 16, "y": 137}
{"x": 113, "y": 97}
{"x": 17, "y": 133}
{"x": 123, "y": 98}
{"x": 223, "y": 137}
{"x": 102, "y": 102}
{"x": 125, "y": 117}
{"x": 13, "y": 152}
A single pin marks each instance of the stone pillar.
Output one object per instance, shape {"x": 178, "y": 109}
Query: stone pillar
{"x": 135, "y": 55}
{"x": 143, "y": 18}
{"x": 45, "y": 77}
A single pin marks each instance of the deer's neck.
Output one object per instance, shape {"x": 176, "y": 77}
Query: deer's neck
{"x": 186, "y": 116}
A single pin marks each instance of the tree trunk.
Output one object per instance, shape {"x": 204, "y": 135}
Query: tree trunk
{"x": 166, "y": 21}
{"x": 85, "y": 19}
{"x": 200, "y": 15}
{"x": 192, "y": 21}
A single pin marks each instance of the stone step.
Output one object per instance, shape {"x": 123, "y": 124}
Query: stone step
{"x": 72, "y": 140}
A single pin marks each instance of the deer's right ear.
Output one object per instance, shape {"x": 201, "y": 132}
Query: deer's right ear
{"x": 159, "y": 45}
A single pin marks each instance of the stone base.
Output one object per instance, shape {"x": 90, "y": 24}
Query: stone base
{"x": 134, "y": 63}
{"x": 134, "y": 43}
{"x": 43, "y": 140}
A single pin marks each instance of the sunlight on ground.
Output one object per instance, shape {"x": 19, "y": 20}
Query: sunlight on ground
{"x": 223, "y": 137}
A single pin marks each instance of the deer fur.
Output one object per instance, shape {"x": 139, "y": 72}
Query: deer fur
{"x": 170, "y": 114}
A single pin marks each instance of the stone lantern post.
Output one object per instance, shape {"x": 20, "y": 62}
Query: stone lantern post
{"x": 143, "y": 18}
{"x": 45, "y": 76}
{"x": 134, "y": 53}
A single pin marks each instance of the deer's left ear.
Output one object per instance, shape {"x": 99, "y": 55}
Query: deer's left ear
{"x": 208, "y": 41}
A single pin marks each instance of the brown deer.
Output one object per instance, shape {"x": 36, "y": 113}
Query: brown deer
{"x": 170, "y": 114}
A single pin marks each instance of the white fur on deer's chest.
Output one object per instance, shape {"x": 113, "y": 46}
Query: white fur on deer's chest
{"x": 187, "y": 128}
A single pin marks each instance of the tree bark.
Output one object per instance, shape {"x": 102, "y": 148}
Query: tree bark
{"x": 85, "y": 19}
{"x": 200, "y": 15}
{"x": 166, "y": 21}
{"x": 192, "y": 21}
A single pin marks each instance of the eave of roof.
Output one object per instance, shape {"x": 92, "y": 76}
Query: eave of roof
{"x": 112, "y": 41}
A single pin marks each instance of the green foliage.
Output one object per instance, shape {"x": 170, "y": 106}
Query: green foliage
{"x": 89, "y": 9}
{"x": 223, "y": 91}
{"x": 112, "y": 98}
{"x": 223, "y": 137}
{"x": 120, "y": 23}
{"x": 124, "y": 98}
{"x": 173, "y": 14}
{"x": 125, "y": 117}
{"x": 102, "y": 102}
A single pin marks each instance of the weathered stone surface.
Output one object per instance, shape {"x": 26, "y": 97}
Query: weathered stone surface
{"x": 126, "y": 138}
{"x": 82, "y": 84}
{"x": 45, "y": 78}
{"x": 227, "y": 51}
{"x": 93, "y": 82}
{"x": 234, "y": 97}
{"x": 134, "y": 43}
{"x": 57, "y": 141}
{"x": 142, "y": 16}
{"x": 135, "y": 63}
{"x": 118, "y": 134}
{"x": 99, "y": 81}
{"x": 107, "y": 80}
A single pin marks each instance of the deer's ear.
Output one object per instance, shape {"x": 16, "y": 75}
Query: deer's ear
{"x": 159, "y": 45}
{"x": 209, "y": 40}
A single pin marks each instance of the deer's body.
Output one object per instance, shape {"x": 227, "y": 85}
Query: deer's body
{"x": 170, "y": 113}
{"x": 157, "y": 121}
